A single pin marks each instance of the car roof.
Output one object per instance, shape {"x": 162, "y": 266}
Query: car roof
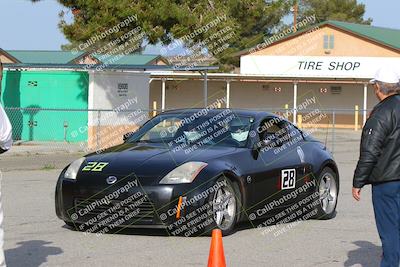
{"x": 242, "y": 112}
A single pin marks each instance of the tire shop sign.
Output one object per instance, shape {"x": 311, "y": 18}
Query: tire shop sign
{"x": 310, "y": 66}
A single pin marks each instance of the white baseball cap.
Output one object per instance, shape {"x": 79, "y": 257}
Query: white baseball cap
{"x": 386, "y": 74}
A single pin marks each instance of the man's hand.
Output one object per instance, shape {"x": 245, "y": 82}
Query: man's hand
{"x": 356, "y": 193}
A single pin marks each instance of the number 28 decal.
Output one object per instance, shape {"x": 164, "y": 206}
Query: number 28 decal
{"x": 94, "y": 166}
{"x": 288, "y": 179}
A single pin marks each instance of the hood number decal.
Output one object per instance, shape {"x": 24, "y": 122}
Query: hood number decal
{"x": 94, "y": 166}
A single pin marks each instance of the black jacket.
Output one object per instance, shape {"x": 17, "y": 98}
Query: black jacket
{"x": 380, "y": 145}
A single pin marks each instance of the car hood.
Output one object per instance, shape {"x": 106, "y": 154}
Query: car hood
{"x": 152, "y": 159}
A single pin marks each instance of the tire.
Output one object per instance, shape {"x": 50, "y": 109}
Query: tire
{"x": 227, "y": 224}
{"x": 205, "y": 221}
{"x": 328, "y": 191}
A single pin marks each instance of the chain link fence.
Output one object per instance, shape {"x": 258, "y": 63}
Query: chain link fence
{"x": 85, "y": 130}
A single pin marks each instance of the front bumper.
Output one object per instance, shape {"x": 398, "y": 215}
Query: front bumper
{"x": 95, "y": 208}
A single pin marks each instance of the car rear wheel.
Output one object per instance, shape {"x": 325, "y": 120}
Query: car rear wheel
{"x": 225, "y": 206}
{"x": 328, "y": 190}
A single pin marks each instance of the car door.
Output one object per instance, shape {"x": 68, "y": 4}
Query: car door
{"x": 282, "y": 165}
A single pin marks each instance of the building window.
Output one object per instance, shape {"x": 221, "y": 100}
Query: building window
{"x": 336, "y": 90}
{"x": 329, "y": 41}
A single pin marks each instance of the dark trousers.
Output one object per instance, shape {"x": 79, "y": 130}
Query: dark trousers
{"x": 386, "y": 200}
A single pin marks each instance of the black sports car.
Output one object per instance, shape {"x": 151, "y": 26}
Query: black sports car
{"x": 189, "y": 171}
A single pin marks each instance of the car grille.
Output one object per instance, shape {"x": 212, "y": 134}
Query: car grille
{"x": 146, "y": 209}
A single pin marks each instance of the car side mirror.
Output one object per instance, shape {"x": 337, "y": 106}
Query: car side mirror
{"x": 273, "y": 140}
{"x": 271, "y": 143}
{"x": 278, "y": 142}
{"x": 255, "y": 150}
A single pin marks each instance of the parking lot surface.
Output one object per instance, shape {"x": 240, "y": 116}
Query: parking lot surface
{"x": 34, "y": 236}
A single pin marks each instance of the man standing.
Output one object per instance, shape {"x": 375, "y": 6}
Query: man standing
{"x": 5, "y": 144}
{"x": 379, "y": 163}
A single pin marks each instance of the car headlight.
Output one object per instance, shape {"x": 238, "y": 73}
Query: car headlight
{"x": 184, "y": 174}
{"x": 73, "y": 169}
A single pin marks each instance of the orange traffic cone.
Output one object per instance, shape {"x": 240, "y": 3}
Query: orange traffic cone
{"x": 217, "y": 257}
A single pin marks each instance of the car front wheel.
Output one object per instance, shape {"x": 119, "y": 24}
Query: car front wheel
{"x": 225, "y": 206}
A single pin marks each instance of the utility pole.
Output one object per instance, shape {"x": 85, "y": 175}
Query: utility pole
{"x": 295, "y": 13}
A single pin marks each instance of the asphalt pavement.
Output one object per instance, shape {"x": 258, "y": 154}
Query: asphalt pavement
{"x": 34, "y": 236}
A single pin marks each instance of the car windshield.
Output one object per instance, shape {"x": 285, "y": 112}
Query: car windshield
{"x": 224, "y": 128}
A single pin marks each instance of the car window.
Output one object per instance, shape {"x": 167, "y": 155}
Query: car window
{"x": 295, "y": 133}
{"x": 220, "y": 129}
{"x": 271, "y": 127}
{"x": 277, "y": 132}
{"x": 166, "y": 128}
{"x": 274, "y": 132}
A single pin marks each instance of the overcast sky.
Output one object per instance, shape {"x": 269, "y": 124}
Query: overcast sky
{"x": 28, "y": 26}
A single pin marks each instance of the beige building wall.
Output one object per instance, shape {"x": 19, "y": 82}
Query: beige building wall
{"x": 186, "y": 94}
{"x": 350, "y": 96}
{"x": 160, "y": 62}
{"x": 87, "y": 60}
{"x": 270, "y": 97}
{"x": 250, "y": 95}
{"x": 259, "y": 95}
{"x": 6, "y": 59}
{"x": 342, "y": 104}
{"x": 311, "y": 44}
